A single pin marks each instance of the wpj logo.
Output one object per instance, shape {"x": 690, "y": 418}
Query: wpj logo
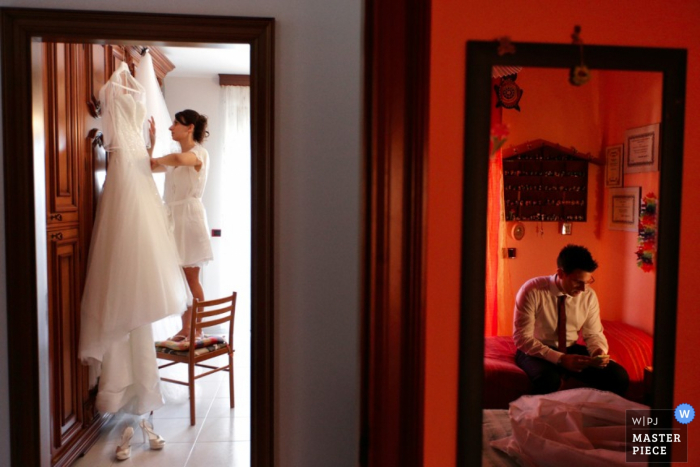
{"x": 685, "y": 414}
{"x": 656, "y": 435}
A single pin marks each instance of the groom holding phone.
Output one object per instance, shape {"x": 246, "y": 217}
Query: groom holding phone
{"x": 549, "y": 313}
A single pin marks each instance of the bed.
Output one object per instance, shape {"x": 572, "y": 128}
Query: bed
{"x": 496, "y": 425}
{"x": 504, "y": 381}
{"x": 583, "y": 427}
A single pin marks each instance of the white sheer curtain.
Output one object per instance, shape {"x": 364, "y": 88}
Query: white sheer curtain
{"x": 235, "y": 243}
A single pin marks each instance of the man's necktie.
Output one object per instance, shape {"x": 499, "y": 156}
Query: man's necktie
{"x": 561, "y": 323}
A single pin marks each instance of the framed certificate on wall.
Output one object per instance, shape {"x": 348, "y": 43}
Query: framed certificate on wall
{"x": 642, "y": 149}
{"x": 614, "y": 156}
{"x": 623, "y": 208}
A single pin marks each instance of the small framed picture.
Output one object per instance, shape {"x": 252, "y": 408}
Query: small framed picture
{"x": 623, "y": 208}
{"x": 614, "y": 156}
{"x": 642, "y": 149}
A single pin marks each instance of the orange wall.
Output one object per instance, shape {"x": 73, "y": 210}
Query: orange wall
{"x": 631, "y": 100}
{"x": 553, "y": 110}
{"x": 624, "y": 22}
{"x": 588, "y": 118}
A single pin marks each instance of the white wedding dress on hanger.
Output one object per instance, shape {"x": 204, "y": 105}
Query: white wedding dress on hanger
{"x": 133, "y": 276}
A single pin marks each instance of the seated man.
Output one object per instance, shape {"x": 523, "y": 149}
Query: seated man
{"x": 549, "y": 313}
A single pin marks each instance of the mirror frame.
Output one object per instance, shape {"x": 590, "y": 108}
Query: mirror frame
{"x": 19, "y": 28}
{"x": 481, "y": 57}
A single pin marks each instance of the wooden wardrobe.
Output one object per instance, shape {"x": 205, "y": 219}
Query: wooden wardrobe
{"x": 75, "y": 167}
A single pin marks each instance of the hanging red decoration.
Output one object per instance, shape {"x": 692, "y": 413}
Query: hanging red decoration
{"x": 646, "y": 245}
{"x": 499, "y": 135}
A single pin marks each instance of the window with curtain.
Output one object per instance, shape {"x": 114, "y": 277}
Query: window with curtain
{"x": 235, "y": 241}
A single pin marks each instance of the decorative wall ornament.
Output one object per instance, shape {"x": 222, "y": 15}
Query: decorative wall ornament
{"x": 505, "y": 46}
{"x": 505, "y": 70}
{"x": 579, "y": 75}
{"x": 517, "y": 231}
{"x": 508, "y": 93}
{"x": 646, "y": 250}
{"x": 545, "y": 182}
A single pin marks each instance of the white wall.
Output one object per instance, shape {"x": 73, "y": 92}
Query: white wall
{"x": 317, "y": 219}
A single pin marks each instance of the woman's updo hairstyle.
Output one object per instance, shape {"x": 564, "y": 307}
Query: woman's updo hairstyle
{"x": 191, "y": 117}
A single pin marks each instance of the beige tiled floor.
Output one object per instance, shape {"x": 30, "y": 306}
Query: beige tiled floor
{"x": 221, "y": 435}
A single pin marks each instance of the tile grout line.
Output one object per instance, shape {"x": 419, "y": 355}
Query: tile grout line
{"x": 204, "y": 420}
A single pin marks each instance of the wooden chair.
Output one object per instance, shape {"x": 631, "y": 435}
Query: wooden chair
{"x": 205, "y": 314}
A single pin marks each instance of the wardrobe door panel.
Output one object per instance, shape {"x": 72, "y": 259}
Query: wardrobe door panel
{"x": 62, "y": 201}
{"x": 68, "y": 87}
{"x": 66, "y": 372}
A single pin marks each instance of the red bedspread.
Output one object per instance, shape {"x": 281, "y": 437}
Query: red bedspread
{"x": 504, "y": 381}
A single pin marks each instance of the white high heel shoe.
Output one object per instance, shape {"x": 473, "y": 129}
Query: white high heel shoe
{"x": 156, "y": 441}
{"x": 124, "y": 449}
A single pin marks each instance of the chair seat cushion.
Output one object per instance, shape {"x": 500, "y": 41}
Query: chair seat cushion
{"x": 204, "y": 341}
{"x": 197, "y": 352}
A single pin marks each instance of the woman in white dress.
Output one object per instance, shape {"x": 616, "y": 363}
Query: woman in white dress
{"x": 185, "y": 179}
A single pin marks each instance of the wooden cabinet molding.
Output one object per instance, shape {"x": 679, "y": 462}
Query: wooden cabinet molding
{"x": 62, "y": 77}
{"x": 68, "y": 80}
{"x": 234, "y": 80}
{"x": 131, "y": 54}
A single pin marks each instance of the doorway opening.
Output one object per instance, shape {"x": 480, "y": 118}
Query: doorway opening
{"x": 27, "y": 290}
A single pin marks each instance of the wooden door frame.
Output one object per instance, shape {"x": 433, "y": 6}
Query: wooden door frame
{"x": 397, "y": 69}
{"x": 19, "y": 28}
